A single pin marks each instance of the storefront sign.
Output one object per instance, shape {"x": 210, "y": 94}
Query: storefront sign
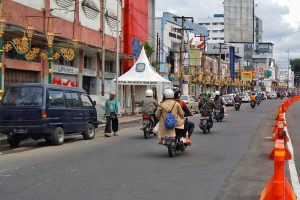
{"x": 247, "y": 76}
{"x": 268, "y": 73}
{"x": 260, "y": 70}
{"x": 65, "y": 69}
{"x": 89, "y": 72}
{"x": 109, "y": 75}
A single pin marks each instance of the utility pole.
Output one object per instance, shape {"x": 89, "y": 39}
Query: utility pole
{"x": 157, "y": 47}
{"x": 182, "y": 48}
{"x": 103, "y": 50}
{"x": 220, "y": 55}
{"x": 118, "y": 49}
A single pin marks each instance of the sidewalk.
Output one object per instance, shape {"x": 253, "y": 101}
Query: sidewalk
{"x": 124, "y": 122}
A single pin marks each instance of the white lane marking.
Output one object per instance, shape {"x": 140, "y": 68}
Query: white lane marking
{"x": 268, "y": 137}
{"x": 292, "y": 165}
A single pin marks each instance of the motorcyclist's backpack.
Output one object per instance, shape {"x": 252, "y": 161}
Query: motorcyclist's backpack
{"x": 170, "y": 119}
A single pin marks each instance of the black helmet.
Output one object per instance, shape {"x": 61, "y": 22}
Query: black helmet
{"x": 177, "y": 92}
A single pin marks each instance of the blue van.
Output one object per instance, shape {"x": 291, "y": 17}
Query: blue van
{"x": 46, "y": 111}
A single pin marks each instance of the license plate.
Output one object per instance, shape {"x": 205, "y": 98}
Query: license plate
{"x": 146, "y": 122}
{"x": 205, "y": 118}
{"x": 20, "y": 130}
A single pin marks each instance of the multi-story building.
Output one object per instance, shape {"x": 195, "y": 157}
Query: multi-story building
{"x": 169, "y": 32}
{"x": 286, "y": 78}
{"x": 73, "y": 21}
{"x": 215, "y": 28}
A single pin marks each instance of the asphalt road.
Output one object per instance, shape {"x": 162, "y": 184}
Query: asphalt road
{"x": 229, "y": 163}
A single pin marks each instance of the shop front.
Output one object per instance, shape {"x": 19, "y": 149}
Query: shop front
{"x": 13, "y": 76}
{"x": 66, "y": 76}
{"x": 89, "y": 81}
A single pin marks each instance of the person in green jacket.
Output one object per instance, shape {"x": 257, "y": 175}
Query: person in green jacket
{"x": 111, "y": 113}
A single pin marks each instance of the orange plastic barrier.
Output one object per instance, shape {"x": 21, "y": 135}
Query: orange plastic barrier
{"x": 278, "y": 187}
{"x": 279, "y": 134}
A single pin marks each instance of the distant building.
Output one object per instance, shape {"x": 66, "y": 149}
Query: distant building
{"x": 169, "y": 32}
{"x": 215, "y": 28}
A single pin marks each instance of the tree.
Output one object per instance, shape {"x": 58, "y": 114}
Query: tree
{"x": 295, "y": 66}
{"x": 149, "y": 49}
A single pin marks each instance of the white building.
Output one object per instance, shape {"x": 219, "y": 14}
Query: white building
{"x": 286, "y": 78}
{"x": 215, "y": 28}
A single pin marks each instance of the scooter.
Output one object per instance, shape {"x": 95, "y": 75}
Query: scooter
{"x": 205, "y": 122}
{"x": 259, "y": 102}
{"x": 174, "y": 145}
{"x": 218, "y": 115}
{"x": 252, "y": 104}
{"x": 148, "y": 126}
{"x": 237, "y": 106}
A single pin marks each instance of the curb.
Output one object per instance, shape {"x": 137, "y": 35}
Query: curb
{"x": 99, "y": 130}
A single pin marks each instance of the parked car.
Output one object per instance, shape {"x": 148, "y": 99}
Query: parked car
{"x": 273, "y": 95}
{"x": 229, "y": 98}
{"x": 245, "y": 97}
{"x": 46, "y": 111}
{"x": 190, "y": 102}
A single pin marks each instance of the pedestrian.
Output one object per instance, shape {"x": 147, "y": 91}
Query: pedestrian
{"x": 111, "y": 112}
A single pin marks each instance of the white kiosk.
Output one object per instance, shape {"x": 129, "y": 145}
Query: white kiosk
{"x": 141, "y": 76}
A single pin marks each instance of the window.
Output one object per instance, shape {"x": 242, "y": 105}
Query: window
{"x": 215, "y": 23}
{"x": 73, "y": 100}
{"x": 172, "y": 35}
{"x": 86, "y": 101}
{"x": 179, "y": 37}
{"x": 62, "y": 61}
{"x": 56, "y": 99}
{"x": 109, "y": 66}
{"x": 215, "y": 31}
{"x": 214, "y": 38}
{"x": 23, "y": 96}
{"x": 87, "y": 62}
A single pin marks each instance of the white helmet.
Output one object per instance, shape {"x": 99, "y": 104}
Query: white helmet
{"x": 149, "y": 93}
{"x": 169, "y": 93}
{"x": 217, "y": 93}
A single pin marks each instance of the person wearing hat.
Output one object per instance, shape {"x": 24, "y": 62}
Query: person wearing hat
{"x": 111, "y": 113}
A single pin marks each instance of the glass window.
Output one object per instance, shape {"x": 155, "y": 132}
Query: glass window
{"x": 184, "y": 98}
{"x": 87, "y": 62}
{"x": 73, "y": 100}
{"x": 23, "y": 96}
{"x": 56, "y": 99}
{"x": 86, "y": 101}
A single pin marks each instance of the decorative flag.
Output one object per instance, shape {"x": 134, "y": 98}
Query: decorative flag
{"x": 201, "y": 45}
{"x": 191, "y": 41}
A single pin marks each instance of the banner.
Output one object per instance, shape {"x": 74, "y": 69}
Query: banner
{"x": 232, "y": 60}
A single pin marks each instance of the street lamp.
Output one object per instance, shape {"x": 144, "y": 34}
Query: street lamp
{"x": 50, "y": 38}
{"x": 75, "y": 43}
{"x": 29, "y": 32}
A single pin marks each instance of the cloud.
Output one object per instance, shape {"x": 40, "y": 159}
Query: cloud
{"x": 279, "y": 17}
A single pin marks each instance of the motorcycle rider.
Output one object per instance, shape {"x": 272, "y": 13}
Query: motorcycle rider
{"x": 188, "y": 126}
{"x": 219, "y": 102}
{"x": 237, "y": 98}
{"x": 149, "y": 105}
{"x": 169, "y": 105}
{"x": 207, "y": 105}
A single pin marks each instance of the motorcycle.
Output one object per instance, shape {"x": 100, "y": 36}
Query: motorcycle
{"x": 237, "y": 106}
{"x": 252, "y": 104}
{"x": 205, "y": 122}
{"x": 174, "y": 145}
{"x": 218, "y": 115}
{"x": 259, "y": 102}
{"x": 148, "y": 126}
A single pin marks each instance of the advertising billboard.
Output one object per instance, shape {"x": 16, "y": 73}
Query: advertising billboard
{"x": 247, "y": 76}
{"x": 239, "y": 21}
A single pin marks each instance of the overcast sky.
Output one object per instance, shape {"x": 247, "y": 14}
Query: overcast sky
{"x": 279, "y": 18}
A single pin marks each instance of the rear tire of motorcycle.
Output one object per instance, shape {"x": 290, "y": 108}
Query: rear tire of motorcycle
{"x": 204, "y": 129}
{"x": 171, "y": 150}
{"x": 146, "y": 133}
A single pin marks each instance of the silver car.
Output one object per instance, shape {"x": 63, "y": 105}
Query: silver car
{"x": 190, "y": 102}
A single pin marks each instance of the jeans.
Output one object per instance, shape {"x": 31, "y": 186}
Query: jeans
{"x": 189, "y": 127}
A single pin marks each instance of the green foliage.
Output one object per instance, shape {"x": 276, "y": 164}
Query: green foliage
{"x": 295, "y": 64}
{"x": 149, "y": 49}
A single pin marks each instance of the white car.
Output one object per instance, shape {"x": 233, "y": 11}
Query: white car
{"x": 190, "y": 102}
{"x": 245, "y": 97}
{"x": 273, "y": 95}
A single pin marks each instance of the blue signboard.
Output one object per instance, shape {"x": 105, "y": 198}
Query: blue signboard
{"x": 232, "y": 60}
{"x": 136, "y": 47}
